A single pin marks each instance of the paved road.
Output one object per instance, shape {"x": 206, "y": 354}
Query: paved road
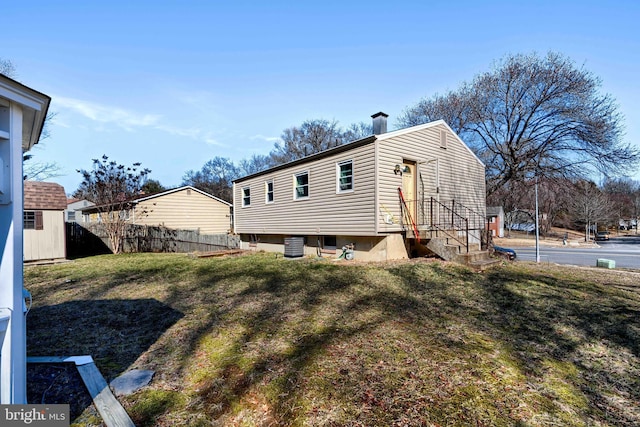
{"x": 625, "y": 251}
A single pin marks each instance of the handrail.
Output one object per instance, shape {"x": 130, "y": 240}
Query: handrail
{"x": 452, "y": 219}
{"x": 456, "y": 221}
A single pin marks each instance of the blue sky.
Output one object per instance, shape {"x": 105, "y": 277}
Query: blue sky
{"x": 173, "y": 84}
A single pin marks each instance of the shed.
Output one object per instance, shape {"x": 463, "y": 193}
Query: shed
{"x": 43, "y": 221}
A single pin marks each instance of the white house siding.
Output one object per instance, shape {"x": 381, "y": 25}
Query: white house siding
{"x": 461, "y": 175}
{"x": 324, "y": 212}
{"x": 185, "y": 209}
{"x": 48, "y": 243}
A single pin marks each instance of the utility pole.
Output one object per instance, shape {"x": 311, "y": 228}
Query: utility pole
{"x": 537, "y": 226}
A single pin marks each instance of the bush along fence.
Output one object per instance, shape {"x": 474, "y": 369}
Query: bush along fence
{"x": 91, "y": 239}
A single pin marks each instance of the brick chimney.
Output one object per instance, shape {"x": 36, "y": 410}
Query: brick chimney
{"x": 379, "y": 123}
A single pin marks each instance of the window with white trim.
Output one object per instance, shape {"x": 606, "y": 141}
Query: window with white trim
{"x": 301, "y": 185}
{"x": 246, "y": 196}
{"x": 344, "y": 176}
{"x": 268, "y": 188}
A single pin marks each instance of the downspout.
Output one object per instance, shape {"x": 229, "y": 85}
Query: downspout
{"x": 376, "y": 170}
{"x": 234, "y": 222}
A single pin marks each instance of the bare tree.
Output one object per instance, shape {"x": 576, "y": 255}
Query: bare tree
{"x": 7, "y": 68}
{"x": 534, "y": 115}
{"x": 216, "y": 178}
{"x": 255, "y": 163}
{"x": 311, "y": 137}
{"x": 588, "y": 205}
{"x": 621, "y": 193}
{"x": 553, "y": 199}
{"x": 112, "y": 187}
{"x": 357, "y": 131}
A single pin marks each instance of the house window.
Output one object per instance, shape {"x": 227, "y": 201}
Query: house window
{"x": 71, "y": 216}
{"x": 32, "y": 220}
{"x": 268, "y": 188}
{"x": 329, "y": 242}
{"x": 246, "y": 196}
{"x": 301, "y": 185}
{"x": 344, "y": 171}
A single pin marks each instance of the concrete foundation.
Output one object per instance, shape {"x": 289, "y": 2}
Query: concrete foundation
{"x": 366, "y": 248}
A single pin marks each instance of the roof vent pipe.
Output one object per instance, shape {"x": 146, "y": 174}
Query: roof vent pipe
{"x": 379, "y": 123}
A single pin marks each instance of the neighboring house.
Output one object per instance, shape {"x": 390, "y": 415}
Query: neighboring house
{"x": 350, "y": 194}
{"x": 73, "y": 213}
{"x": 22, "y": 114}
{"x": 524, "y": 220}
{"x": 184, "y": 208}
{"x": 495, "y": 219}
{"x": 44, "y": 231}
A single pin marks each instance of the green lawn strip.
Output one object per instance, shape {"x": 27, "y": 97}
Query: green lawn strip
{"x": 256, "y": 340}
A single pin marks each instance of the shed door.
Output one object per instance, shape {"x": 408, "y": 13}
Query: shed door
{"x": 409, "y": 187}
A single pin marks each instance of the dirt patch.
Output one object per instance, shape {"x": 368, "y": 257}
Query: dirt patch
{"x": 57, "y": 383}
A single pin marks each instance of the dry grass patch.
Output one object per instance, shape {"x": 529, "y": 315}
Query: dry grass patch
{"x": 260, "y": 341}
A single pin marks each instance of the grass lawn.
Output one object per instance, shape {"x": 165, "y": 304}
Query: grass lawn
{"x": 259, "y": 341}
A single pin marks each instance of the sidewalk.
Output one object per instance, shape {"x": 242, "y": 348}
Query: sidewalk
{"x": 522, "y": 242}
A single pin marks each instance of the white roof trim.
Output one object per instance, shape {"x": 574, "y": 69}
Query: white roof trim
{"x": 417, "y": 128}
{"x": 33, "y": 101}
{"x": 186, "y": 187}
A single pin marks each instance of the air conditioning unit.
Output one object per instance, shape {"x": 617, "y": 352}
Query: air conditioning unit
{"x": 294, "y": 247}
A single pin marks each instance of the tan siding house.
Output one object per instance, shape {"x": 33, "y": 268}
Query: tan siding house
{"x": 184, "y": 208}
{"x": 354, "y": 194}
{"x": 44, "y": 229}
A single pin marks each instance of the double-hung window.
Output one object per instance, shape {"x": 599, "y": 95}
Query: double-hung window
{"x": 246, "y": 196}
{"x": 268, "y": 188}
{"x": 301, "y": 185}
{"x": 344, "y": 176}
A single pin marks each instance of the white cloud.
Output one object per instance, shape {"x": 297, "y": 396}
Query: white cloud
{"x": 125, "y": 119}
{"x": 265, "y": 138}
{"x": 128, "y": 120}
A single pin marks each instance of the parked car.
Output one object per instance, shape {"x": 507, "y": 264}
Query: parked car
{"x": 602, "y": 235}
{"x": 507, "y": 253}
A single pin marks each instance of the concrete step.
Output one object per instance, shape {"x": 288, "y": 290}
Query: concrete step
{"x": 478, "y": 260}
{"x": 440, "y": 247}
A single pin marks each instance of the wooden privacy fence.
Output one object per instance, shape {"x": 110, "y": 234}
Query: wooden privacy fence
{"x": 92, "y": 239}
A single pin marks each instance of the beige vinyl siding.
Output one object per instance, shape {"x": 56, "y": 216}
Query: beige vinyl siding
{"x": 48, "y": 243}
{"x": 324, "y": 212}
{"x": 461, "y": 175}
{"x": 185, "y": 209}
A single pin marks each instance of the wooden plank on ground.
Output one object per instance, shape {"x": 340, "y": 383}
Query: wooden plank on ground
{"x": 113, "y": 414}
{"x": 219, "y": 253}
{"x": 78, "y": 360}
